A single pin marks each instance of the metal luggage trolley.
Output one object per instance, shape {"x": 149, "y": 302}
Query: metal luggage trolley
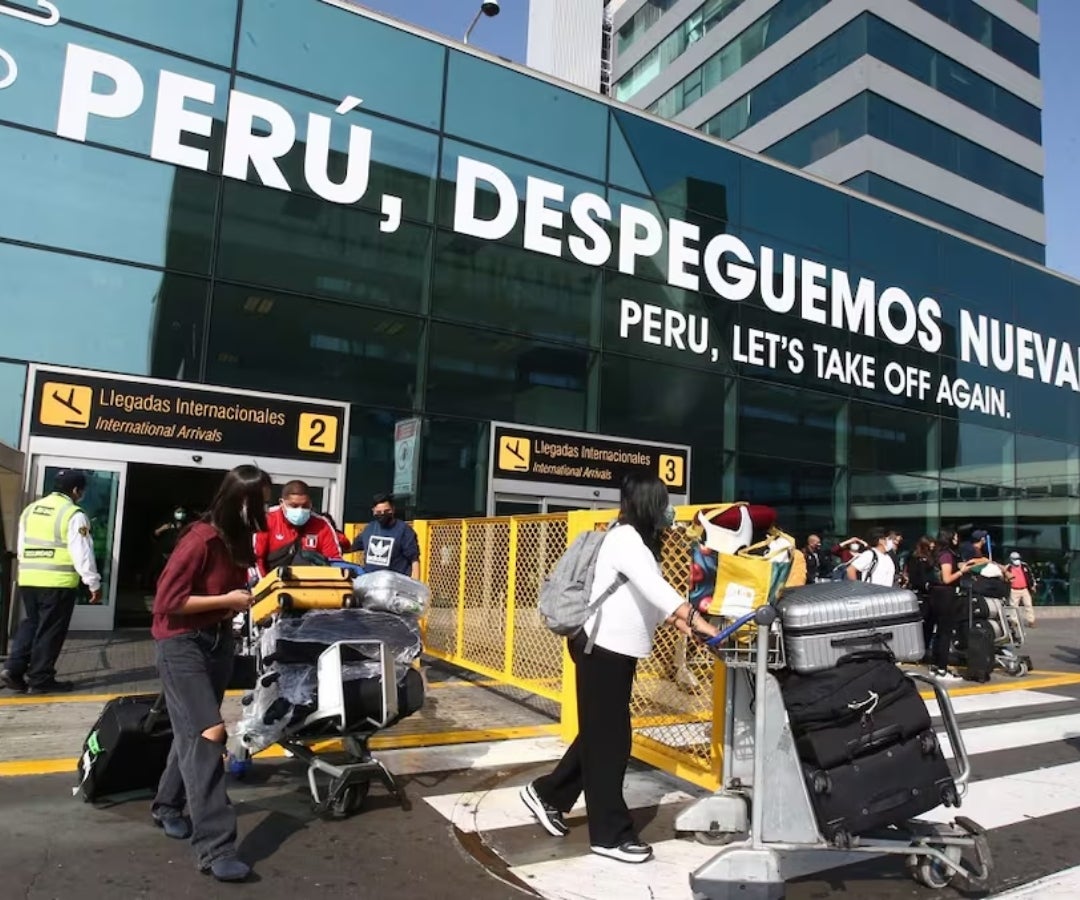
{"x": 764, "y": 795}
{"x": 344, "y": 783}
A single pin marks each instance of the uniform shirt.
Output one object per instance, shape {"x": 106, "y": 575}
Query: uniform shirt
{"x": 628, "y": 619}
{"x": 81, "y": 547}
{"x": 884, "y": 572}
{"x": 200, "y": 566}
{"x": 392, "y": 546}
{"x": 315, "y": 535}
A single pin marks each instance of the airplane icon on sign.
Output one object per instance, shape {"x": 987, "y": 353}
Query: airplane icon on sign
{"x": 514, "y": 454}
{"x": 66, "y": 405}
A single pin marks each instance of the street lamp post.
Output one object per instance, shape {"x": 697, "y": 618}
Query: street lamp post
{"x": 488, "y": 8}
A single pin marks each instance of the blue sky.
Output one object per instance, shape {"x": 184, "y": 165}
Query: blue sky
{"x": 505, "y": 35}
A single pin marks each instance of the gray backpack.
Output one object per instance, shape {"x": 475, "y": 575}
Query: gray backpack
{"x": 564, "y": 595}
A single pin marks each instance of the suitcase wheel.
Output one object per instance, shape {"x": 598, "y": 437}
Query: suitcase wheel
{"x": 820, "y": 783}
{"x": 285, "y": 601}
{"x": 928, "y": 743}
{"x": 949, "y": 796}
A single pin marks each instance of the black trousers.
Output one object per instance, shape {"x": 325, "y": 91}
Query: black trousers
{"x": 596, "y": 761}
{"x": 948, "y": 612}
{"x": 40, "y": 636}
{"x": 195, "y": 669}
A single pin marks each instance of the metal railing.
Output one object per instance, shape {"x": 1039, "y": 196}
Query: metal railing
{"x": 485, "y": 575}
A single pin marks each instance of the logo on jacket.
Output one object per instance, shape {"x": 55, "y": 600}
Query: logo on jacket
{"x": 311, "y": 542}
{"x": 379, "y": 550}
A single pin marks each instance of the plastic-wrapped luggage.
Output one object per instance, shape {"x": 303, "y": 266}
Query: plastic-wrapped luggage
{"x": 392, "y": 592}
{"x": 826, "y": 621}
{"x": 302, "y": 639}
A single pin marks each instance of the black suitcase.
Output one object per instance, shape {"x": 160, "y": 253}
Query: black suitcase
{"x": 980, "y": 609}
{"x": 860, "y": 706}
{"x": 885, "y": 788}
{"x": 127, "y": 748}
{"x": 979, "y": 652}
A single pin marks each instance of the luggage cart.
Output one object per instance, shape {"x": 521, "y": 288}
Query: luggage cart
{"x": 339, "y": 787}
{"x": 764, "y": 794}
{"x": 1009, "y": 638}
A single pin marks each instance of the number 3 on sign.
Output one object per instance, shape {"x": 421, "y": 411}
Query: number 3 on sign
{"x": 318, "y": 433}
{"x": 671, "y": 470}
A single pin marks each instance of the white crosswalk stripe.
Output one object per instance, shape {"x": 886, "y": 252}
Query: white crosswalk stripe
{"x": 1005, "y": 731}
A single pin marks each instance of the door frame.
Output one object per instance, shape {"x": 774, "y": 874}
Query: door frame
{"x": 91, "y": 617}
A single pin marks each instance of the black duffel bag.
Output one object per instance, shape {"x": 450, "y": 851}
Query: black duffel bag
{"x": 862, "y": 704}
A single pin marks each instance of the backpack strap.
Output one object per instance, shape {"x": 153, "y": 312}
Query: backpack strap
{"x": 594, "y": 607}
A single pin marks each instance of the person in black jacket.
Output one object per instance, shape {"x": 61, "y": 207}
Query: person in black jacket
{"x": 919, "y": 575}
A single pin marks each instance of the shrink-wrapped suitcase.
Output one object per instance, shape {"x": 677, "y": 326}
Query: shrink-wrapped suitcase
{"x": 824, "y": 622}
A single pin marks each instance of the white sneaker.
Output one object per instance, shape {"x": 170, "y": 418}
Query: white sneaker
{"x": 630, "y": 852}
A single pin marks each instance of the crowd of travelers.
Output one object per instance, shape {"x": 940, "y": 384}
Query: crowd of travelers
{"x": 935, "y": 569}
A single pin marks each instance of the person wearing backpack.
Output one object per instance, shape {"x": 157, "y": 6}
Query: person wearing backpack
{"x": 629, "y": 600}
{"x": 875, "y": 564}
{"x": 947, "y": 608}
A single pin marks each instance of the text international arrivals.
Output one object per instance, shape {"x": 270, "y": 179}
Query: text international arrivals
{"x": 196, "y": 409}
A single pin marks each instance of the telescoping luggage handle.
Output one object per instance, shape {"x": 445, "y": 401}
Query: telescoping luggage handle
{"x": 157, "y": 711}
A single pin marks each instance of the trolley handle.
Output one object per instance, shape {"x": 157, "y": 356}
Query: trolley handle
{"x": 763, "y": 615}
{"x": 952, "y": 726}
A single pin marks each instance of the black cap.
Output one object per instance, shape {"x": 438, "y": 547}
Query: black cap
{"x": 68, "y": 480}
{"x": 978, "y": 535}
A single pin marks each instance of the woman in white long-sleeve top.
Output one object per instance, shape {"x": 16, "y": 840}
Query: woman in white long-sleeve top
{"x": 624, "y": 628}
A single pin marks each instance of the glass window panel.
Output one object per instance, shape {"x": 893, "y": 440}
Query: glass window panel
{"x": 371, "y": 459}
{"x": 404, "y": 160}
{"x": 679, "y": 169}
{"x": 784, "y": 422}
{"x": 976, "y": 454}
{"x": 121, "y": 318}
{"x": 453, "y": 468}
{"x": 649, "y": 401}
{"x": 778, "y": 202}
{"x": 488, "y": 202}
{"x": 835, "y": 129}
{"x": 483, "y": 104}
{"x": 41, "y": 54}
{"x": 801, "y": 495}
{"x": 889, "y": 440}
{"x": 298, "y": 243}
{"x": 899, "y": 386}
{"x": 520, "y": 380}
{"x": 336, "y": 52}
{"x": 655, "y": 321}
{"x": 202, "y": 28}
{"x": 550, "y": 299}
{"x": 911, "y": 247}
{"x": 1047, "y": 469}
{"x": 12, "y": 392}
{"x": 296, "y": 345}
{"x": 95, "y": 201}
{"x": 907, "y": 503}
{"x": 980, "y": 25}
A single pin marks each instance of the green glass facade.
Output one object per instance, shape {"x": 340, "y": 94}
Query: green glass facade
{"x": 240, "y": 193}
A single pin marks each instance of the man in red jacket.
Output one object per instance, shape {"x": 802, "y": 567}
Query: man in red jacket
{"x": 291, "y": 528}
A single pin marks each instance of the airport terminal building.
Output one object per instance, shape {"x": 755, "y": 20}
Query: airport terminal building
{"x": 294, "y": 232}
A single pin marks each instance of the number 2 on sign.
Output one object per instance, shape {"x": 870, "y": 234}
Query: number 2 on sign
{"x": 318, "y": 433}
{"x": 671, "y": 470}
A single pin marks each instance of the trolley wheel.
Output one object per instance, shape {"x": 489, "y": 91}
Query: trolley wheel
{"x": 349, "y": 801}
{"x": 1014, "y": 667}
{"x": 714, "y": 838}
{"x": 932, "y": 873}
{"x": 1026, "y": 660}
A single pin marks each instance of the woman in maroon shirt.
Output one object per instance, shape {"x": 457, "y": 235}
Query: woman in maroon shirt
{"x": 201, "y": 588}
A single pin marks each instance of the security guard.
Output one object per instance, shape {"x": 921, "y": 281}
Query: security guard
{"x": 55, "y": 553}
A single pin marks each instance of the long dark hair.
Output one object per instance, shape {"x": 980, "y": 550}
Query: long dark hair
{"x": 924, "y": 548}
{"x": 238, "y": 511}
{"x": 944, "y": 542}
{"x": 643, "y": 500}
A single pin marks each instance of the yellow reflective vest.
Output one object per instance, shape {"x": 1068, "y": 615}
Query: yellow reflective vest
{"x": 44, "y": 559}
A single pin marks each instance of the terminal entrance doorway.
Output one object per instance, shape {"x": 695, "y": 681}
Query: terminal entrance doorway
{"x": 525, "y": 505}
{"x": 150, "y": 447}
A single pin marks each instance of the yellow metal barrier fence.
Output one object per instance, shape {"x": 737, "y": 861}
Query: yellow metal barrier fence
{"x": 485, "y": 575}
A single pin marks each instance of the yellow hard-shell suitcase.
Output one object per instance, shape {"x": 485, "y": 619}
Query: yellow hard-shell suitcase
{"x": 300, "y": 588}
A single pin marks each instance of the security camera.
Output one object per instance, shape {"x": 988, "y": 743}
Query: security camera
{"x": 490, "y": 7}
{"x": 196, "y": 459}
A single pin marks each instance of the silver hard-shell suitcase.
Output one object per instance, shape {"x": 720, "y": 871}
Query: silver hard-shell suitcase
{"x": 823, "y": 622}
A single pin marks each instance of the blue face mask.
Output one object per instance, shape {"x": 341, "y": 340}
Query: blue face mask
{"x": 297, "y": 515}
{"x": 669, "y": 517}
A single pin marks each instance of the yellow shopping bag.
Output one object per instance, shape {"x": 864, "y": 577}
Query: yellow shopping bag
{"x": 752, "y": 576}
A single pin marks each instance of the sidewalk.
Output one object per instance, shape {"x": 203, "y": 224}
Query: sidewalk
{"x": 45, "y": 734}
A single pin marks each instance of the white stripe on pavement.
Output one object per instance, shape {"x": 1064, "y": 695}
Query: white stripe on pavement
{"x": 1013, "y": 735}
{"x": 485, "y": 811}
{"x": 977, "y": 703}
{"x": 1061, "y": 886}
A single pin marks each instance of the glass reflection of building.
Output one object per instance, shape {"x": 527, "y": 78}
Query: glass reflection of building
{"x": 118, "y": 262}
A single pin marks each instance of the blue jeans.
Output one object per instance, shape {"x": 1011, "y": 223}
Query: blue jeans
{"x": 195, "y": 669}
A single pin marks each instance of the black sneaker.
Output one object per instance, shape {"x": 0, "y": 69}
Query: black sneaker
{"x": 12, "y": 682}
{"x": 51, "y": 687}
{"x": 628, "y": 852}
{"x": 550, "y": 819}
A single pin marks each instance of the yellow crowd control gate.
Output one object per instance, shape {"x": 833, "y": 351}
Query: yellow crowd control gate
{"x": 485, "y": 575}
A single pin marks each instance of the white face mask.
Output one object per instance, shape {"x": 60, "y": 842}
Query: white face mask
{"x": 890, "y": 546}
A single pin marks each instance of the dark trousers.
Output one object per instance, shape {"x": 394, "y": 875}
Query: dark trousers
{"x": 947, "y": 611}
{"x": 195, "y": 669}
{"x": 596, "y": 761}
{"x": 40, "y": 636}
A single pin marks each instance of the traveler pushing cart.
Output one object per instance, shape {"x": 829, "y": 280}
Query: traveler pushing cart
{"x": 789, "y": 811}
